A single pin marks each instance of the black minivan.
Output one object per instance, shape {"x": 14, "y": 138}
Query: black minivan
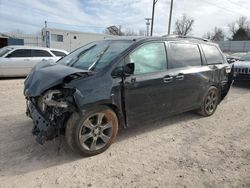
{"x": 120, "y": 82}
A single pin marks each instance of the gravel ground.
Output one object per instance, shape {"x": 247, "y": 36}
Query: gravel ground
{"x": 186, "y": 150}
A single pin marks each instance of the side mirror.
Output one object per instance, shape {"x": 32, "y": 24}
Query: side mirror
{"x": 118, "y": 72}
{"x": 122, "y": 71}
{"x": 129, "y": 68}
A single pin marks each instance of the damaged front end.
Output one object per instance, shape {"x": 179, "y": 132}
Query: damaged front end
{"x": 49, "y": 113}
{"x": 50, "y": 98}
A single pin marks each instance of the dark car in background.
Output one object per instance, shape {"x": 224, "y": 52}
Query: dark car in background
{"x": 242, "y": 69}
{"x": 122, "y": 82}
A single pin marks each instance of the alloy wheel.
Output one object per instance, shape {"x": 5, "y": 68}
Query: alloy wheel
{"x": 211, "y": 102}
{"x": 96, "y": 131}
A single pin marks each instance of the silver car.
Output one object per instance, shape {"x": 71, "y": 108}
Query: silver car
{"x": 242, "y": 69}
{"x": 19, "y": 60}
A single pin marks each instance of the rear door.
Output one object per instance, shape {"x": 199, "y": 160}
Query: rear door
{"x": 39, "y": 55}
{"x": 147, "y": 92}
{"x": 16, "y": 63}
{"x": 218, "y": 67}
{"x": 191, "y": 77}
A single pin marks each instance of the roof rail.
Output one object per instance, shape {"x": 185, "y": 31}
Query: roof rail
{"x": 187, "y": 37}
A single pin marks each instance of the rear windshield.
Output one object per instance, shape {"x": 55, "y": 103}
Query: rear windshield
{"x": 96, "y": 55}
{"x": 4, "y": 50}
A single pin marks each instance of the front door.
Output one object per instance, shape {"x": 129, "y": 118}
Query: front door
{"x": 147, "y": 92}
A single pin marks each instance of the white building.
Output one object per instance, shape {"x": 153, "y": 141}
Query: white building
{"x": 69, "y": 40}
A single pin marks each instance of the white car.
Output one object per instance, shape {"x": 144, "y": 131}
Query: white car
{"x": 18, "y": 60}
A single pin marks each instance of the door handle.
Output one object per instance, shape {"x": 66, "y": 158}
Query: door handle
{"x": 168, "y": 79}
{"x": 26, "y": 59}
{"x": 180, "y": 77}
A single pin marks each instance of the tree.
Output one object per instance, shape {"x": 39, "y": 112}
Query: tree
{"x": 130, "y": 32}
{"x": 216, "y": 35}
{"x": 240, "y": 29}
{"x": 183, "y": 26}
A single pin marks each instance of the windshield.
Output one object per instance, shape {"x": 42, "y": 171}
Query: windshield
{"x": 245, "y": 57}
{"x": 95, "y": 55}
{"x": 4, "y": 50}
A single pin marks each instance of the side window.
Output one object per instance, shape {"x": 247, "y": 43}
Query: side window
{"x": 184, "y": 55}
{"x": 41, "y": 53}
{"x": 20, "y": 53}
{"x": 58, "y": 53}
{"x": 212, "y": 54}
{"x": 148, "y": 58}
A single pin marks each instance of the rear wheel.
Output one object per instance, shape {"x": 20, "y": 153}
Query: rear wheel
{"x": 210, "y": 102}
{"x": 93, "y": 133}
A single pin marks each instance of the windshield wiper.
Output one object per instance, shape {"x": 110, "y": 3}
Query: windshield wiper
{"x": 98, "y": 57}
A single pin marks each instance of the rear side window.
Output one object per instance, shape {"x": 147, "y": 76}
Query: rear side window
{"x": 20, "y": 53}
{"x": 148, "y": 58}
{"x": 212, "y": 54}
{"x": 184, "y": 55}
{"x": 58, "y": 53}
{"x": 41, "y": 53}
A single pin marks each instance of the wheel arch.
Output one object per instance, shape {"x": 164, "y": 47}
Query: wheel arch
{"x": 115, "y": 108}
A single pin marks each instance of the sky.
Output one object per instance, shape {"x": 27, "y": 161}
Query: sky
{"x": 95, "y": 15}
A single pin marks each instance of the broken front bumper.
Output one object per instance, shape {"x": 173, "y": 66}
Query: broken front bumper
{"x": 43, "y": 128}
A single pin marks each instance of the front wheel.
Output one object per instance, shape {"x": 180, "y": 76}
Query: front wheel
{"x": 210, "y": 102}
{"x": 93, "y": 133}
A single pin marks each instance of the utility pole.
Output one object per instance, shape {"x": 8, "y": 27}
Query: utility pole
{"x": 153, "y": 14}
{"x": 45, "y": 24}
{"x": 147, "y": 24}
{"x": 170, "y": 17}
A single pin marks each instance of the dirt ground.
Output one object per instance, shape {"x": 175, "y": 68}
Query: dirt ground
{"x": 186, "y": 150}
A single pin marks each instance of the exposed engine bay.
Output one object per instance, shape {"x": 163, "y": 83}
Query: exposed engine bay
{"x": 49, "y": 113}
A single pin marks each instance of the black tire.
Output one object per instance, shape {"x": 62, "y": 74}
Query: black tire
{"x": 84, "y": 132}
{"x": 209, "y": 103}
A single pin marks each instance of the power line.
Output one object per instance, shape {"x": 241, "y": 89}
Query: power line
{"x": 208, "y": 2}
{"x": 238, "y": 5}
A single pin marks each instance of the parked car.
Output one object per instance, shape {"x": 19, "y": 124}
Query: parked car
{"x": 18, "y": 60}
{"x": 242, "y": 69}
{"x": 235, "y": 56}
{"x": 122, "y": 82}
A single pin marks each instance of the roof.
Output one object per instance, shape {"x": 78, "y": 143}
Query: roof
{"x": 2, "y": 35}
{"x": 165, "y": 37}
{"x": 33, "y": 47}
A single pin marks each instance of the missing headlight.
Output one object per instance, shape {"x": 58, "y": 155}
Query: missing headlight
{"x": 55, "y": 98}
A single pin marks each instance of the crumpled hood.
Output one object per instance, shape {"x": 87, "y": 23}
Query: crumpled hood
{"x": 242, "y": 64}
{"x": 46, "y": 75}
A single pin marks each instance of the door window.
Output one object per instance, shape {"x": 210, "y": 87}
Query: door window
{"x": 58, "y": 53}
{"x": 148, "y": 58}
{"x": 184, "y": 55}
{"x": 41, "y": 53}
{"x": 212, "y": 54}
{"x": 20, "y": 53}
